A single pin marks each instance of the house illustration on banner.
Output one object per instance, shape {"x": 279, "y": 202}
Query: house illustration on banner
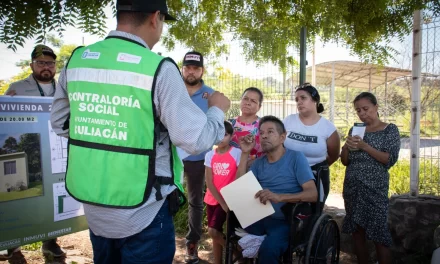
{"x": 13, "y": 170}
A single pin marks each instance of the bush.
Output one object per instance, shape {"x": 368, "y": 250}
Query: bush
{"x": 31, "y": 177}
{"x": 399, "y": 177}
{"x": 337, "y": 176}
{"x": 32, "y": 247}
{"x": 20, "y": 186}
{"x": 38, "y": 176}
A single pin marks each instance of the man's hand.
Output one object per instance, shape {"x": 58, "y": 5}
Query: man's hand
{"x": 266, "y": 195}
{"x": 247, "y": 143}
{"x": 224, "y": 207}
{"x": 220, "y": 100}
{"x": 11, "y": 93}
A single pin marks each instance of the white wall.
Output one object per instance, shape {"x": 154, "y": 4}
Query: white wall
{"x": 12, "y": 179}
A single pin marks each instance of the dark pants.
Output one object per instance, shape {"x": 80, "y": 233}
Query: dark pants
{"x": 276, "y": 241}
{"x": 153, "y": 245}
{"x": 324, "y": 174}
{"x": 325, "y": 179}
{"x": 195, "y": 185}
{"x": 50, "y": 241}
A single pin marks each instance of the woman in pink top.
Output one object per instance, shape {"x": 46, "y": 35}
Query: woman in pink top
{"x": 220, "y": 167}
{"x": 248, "y": 122}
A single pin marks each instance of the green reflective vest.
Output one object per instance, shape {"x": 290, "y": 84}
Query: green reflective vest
{"x": 113, "y": 125}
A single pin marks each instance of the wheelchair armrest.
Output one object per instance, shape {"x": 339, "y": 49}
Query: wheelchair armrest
{"x": 292, "y": 211}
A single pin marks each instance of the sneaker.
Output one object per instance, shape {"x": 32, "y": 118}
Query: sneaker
{"x": 51, "y": 247}
{"x": 7, "y": 254}
{"x": 191, "y": 256}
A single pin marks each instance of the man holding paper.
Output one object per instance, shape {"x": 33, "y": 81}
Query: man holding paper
{"x": 285, "y": 177}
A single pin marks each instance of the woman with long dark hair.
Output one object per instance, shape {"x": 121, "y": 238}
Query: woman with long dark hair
{"x": 312, "y": 134}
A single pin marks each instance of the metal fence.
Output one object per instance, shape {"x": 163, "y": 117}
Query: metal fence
{"x": 429, "y": 179}
{"x": 231, "y": 74}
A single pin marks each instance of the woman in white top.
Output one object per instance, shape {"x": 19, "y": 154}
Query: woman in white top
{"x": 312, "y": 134}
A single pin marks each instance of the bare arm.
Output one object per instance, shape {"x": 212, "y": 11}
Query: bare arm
{"x": 345, "y": 149}
{"x": 242, "y": 167}
{"x": 309, "y": 194}
{"x": 344, "y": 155}
{"x": 382, "y": 157}
{"x": 247, "y": 143}
{"x": 387, "y": 156}
{"x": 333, "y": 147}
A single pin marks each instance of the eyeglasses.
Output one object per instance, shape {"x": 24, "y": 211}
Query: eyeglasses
{"x": 42, "y": 64}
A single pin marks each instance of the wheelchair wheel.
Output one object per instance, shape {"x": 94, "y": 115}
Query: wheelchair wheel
{"x": 324, "y": 243}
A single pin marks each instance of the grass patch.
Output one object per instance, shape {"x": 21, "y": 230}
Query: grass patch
{"x": 35, "y": 189}
{"x": 32, "y": 247}
{"x": 429, "y": 182}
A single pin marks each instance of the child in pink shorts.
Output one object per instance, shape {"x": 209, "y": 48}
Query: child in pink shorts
{"x": 220, "y": 169}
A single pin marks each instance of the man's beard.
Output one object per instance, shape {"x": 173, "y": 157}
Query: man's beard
{"x": 268, "y": 148}
{"x": 44, "y": 76}
{"x": 194, "y": 81}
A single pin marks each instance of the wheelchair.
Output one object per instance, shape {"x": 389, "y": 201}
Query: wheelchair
{"x": 314, "y": 236}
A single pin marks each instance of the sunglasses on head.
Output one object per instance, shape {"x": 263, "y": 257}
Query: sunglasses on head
{"x": 304, "y": 85}
{"x": 309, "y": 87}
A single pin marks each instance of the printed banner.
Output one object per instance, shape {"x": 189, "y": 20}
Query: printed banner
{"x": 34, "y": 204}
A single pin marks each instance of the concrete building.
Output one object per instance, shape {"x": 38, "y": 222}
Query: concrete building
{"x": 13, "y": 169}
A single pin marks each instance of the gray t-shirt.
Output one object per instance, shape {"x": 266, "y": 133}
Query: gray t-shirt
{"x": 47, "y": 88}
{"x": 29, "y": 87}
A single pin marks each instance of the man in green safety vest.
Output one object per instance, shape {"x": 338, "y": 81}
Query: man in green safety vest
{"x": 125, "y": 109}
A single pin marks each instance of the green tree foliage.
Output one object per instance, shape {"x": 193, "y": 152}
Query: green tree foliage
{"x": 22, "y": 75}
{"x": 27, "y": 19}
{"x": 30, "y": 144}
{"x": 10, "y": 145}
{"x": 266, "y": 28}
{"x": 62, "y": 57}
{"x": 64, "y": 54}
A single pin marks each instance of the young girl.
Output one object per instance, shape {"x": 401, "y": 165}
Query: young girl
{"x": 220, "y": 168}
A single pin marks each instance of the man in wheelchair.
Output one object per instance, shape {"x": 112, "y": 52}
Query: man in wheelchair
{"x": 285, "y": 177}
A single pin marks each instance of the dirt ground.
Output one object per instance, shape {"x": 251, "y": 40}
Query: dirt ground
{"x": 79, "y": 251}
{"x": 79, "y": 248}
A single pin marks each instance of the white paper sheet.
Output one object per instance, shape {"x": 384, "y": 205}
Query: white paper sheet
{"x": 240, "y": 198}
{"x": 358, "y": 130}
{"x": 58, "y": 151}
{"x": 65, "y": 207}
